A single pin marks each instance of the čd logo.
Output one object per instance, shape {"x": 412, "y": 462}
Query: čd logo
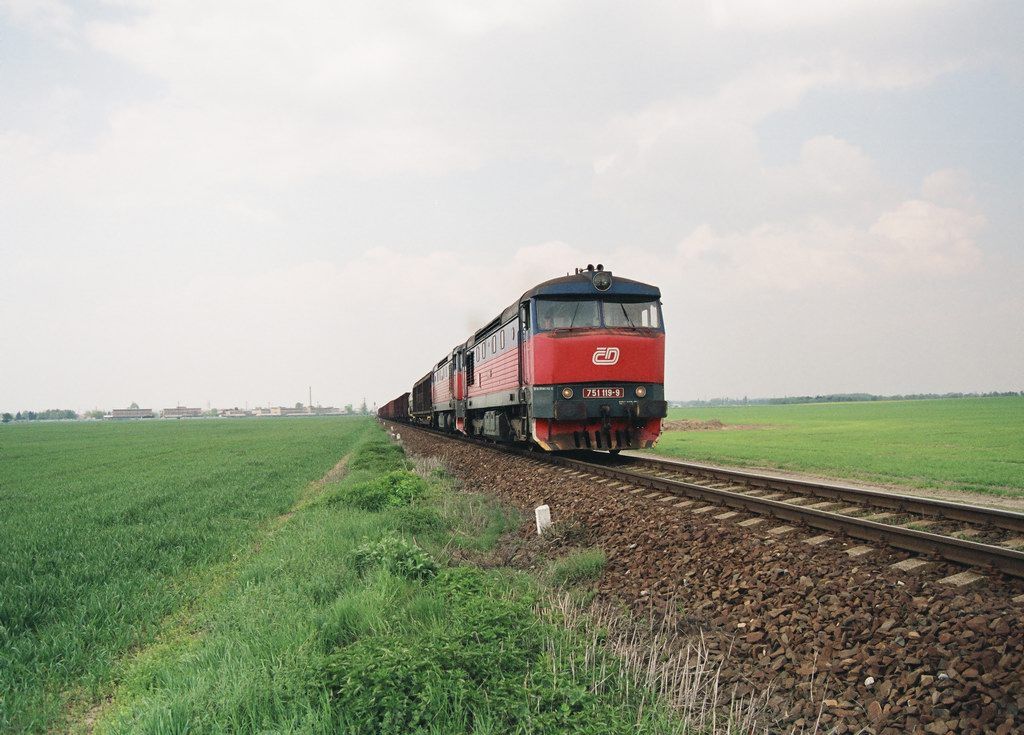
{"x": 606, "y": 356}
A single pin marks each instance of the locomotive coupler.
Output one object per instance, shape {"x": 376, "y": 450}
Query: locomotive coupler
{"x": 633, "y": 411}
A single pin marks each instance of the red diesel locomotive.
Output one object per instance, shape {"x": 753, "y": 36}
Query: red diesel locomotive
{"x": 575, "y": 363}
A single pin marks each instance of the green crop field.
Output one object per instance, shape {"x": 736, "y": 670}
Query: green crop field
{"x": 106, "y": 529}
{"x": 209, "y": 577}
{"x": 959, "y": 444}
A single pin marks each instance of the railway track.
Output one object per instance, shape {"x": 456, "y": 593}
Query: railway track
{"x": 975, "y": 536}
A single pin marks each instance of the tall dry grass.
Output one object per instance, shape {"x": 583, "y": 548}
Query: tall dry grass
{"x": 665, "y": 666}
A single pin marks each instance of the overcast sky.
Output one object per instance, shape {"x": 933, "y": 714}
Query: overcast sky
{"x": 229, "y": 201}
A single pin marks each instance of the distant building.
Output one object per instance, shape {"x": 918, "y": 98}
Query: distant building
{"x": 285, "y": 411}
{"x": 131, "y": 413}
{"x": 234, "y": 413}
{"x": 327, "y": 411}
{"x": 181, "y": 412}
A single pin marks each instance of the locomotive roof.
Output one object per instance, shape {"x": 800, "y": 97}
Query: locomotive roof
{"x": 581, "y": 284}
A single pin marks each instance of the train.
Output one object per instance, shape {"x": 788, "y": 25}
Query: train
{"x": 576, "y": 362}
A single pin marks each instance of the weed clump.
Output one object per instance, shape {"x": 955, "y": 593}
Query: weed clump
{"x": 344, "y": 621}
{"x": 582, "y": 566}
{"x": 397, "y": 556}
{"x": 389, "y": 490}
{"x": 419, "y": 519}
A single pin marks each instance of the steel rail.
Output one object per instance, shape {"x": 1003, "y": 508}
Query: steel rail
{"x": 950, "y": 548}
{"x": 940, "y": 509}
{"x": 960, "y": 551}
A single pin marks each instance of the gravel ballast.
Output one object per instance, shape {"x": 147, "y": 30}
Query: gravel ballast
{"x": 847, "y": 639}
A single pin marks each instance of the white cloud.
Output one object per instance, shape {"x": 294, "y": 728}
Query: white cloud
{"x": 706, "y": 153}
{"x": 772, "y": 257}
{"x": 476, "y": 17}
{"x": 837, "y": 168}
{"x": 949, "y": 187}
{"x": 50, "y": 19}
{"x": 764, "y": 16}
{"x": 914, "y": 238}
{"x": 922, "y": 236}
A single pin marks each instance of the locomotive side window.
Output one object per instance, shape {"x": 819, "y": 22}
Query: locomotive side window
{"x": 501, "y": 342}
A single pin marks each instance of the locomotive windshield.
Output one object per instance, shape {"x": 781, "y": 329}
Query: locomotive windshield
{"x": 574, "y": 314}
{"x": 580, "y": 313}
{"x": 636, "y": 314}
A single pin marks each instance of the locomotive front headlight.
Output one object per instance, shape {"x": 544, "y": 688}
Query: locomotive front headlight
{"x": 602, "y": 280}
{"x": 641, "y": 391}
{"x": 567, "y": 393}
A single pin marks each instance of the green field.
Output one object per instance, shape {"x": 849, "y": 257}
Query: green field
{"x": 106, "y": 529}
{"x": 959, "y": 444}
{"x": 208, "y": 577}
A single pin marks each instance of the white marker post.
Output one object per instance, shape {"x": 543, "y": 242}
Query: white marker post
{"x": 543, "y": 514}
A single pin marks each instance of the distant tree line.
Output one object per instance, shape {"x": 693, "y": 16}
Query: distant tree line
{"x": 55, "y": 413}
{"x": 839, "y": 398}
{"x": 48, "y": 415}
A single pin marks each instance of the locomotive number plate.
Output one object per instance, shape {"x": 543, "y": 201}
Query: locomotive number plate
{"x": 603, "y": 393}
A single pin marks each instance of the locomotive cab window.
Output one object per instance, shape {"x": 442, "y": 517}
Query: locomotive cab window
{"x": 567, "y": 314}
{"x": 632, "y": 314}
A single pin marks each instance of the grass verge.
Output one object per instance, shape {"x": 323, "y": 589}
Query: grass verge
{"x": 354, "y": 618}
{"x": 974, "y": 444}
